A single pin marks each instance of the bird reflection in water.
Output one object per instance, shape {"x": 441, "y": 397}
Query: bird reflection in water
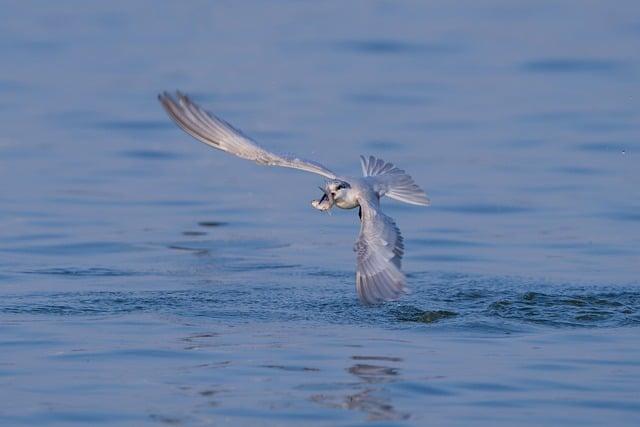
{"x": 371, "y": 396}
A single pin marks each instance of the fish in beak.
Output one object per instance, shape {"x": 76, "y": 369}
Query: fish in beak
{"x": 325, "y": 203}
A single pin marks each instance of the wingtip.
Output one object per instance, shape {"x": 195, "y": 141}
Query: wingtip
{"x": 165, "y": 96}
{"x": 425, "y": 201}
{"x": 171, "y": 95}
{"x": 181, "y": 96}
{"x": 175, "y": 98}
{"x": 418, "y": 200}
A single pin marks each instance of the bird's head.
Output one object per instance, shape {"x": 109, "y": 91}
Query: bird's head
{"x": 334, "y": 192}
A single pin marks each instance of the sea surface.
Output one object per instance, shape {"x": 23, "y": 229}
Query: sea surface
{"x": 148, "y": 280}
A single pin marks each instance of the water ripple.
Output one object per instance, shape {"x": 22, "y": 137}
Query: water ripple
{"x": 82, "y": 272}
{"x": 391, "y": 47}
{"x": 590, "y": 309}
{"x": 571, "y": 65}
{"x": 484, "y": 305}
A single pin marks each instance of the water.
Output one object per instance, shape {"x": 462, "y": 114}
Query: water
{"x": 148, "y": 280}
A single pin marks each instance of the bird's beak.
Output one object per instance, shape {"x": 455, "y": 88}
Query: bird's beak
{"x": 325, "y": 203}
{"x": 325, "y": 196}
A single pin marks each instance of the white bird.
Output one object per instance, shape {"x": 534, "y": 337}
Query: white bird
{"x": 379, "y": 247}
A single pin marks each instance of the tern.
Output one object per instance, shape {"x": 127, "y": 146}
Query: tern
{"x": 379, "y": 247}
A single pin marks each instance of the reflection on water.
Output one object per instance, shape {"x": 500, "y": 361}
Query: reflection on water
{"x": 368, "y": 394}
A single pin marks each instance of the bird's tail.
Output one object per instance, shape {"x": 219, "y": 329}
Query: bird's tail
{"x": 393, "y": 182}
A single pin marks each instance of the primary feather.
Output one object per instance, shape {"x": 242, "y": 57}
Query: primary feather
{"x": 217, "y": 133}
{"x": 393, "y": 182}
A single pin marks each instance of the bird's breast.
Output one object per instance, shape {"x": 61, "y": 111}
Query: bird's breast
{"x": 347, "y": 204}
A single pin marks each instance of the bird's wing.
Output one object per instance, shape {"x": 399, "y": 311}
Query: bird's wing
{"x": 219, "y": 134}
{"x": 393, "y": 182}
{"x": 379, "y": 250}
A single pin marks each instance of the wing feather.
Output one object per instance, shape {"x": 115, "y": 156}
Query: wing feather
{"x": 379, "y": 250}
{"x": 217, "y": 133}
{"x": 392, "y": 182}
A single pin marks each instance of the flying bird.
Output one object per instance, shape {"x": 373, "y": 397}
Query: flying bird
{"x": 379, "y": 247}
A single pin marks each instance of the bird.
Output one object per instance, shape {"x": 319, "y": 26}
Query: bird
{"x": 379, "y": 247}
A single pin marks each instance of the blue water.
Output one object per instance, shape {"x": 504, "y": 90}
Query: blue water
{"x": 146, "y": 279}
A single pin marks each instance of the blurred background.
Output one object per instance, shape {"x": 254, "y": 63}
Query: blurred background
{"x": 123, "y": 237}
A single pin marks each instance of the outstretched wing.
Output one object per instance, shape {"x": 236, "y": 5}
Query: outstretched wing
{"x": 379, "y": 250}
{"x": 393, "y": 182}
{"x": 219, "y": 134}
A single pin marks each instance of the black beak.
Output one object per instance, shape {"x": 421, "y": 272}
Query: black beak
{"x": 325, "y": 195}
